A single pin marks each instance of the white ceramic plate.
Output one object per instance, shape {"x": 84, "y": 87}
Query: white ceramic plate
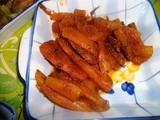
{"x": 145, "y": 100}
{"x": 23, "y": 55}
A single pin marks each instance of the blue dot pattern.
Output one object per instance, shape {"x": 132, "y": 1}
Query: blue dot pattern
{"x": 128, "y": 87}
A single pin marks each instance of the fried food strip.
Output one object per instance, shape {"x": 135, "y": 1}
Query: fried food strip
{"x": 81, "y": 40}
{"x": 106, "y": 60}
{"x": 118, "y": 57}
{"x": 115, "y": 44}
{"x": 141, "y": 53}
{"x": 132, "y": 45}
{"x": 53, "y": 15}
{"x": 98, "y": 103}
{"x": 67, "y": 21}
{"x": 104, "y": 63}
{"x": 57, "y": 73}
{"x": 64, "y": 87}
{"x": 112, "y": 25}
{"x": 90, "y": 84}
{"x": 56, "y": 29}
{"x": 104, "y": 83}
{"x": 90, "y": 58}
{"x": 80, "y": 18}
{"x": 54, "y": 54}
{"x": 92, "y": 32}
{"x": 58, "y": 17}
{"x": 133, "y": 36}
{"x": 123, "y": 41}
{"x": 147, "y": 51}
{"x": 104, "y": 25}
{"x": 80, "y": 105}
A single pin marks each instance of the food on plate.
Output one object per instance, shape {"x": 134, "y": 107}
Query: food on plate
{"x": 92, "y": 72}
{"x": 87, "y": 54}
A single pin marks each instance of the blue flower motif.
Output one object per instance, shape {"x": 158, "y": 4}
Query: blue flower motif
{"x": 128, "y": 87}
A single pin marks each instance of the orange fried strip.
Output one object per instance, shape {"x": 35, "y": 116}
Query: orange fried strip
{"x": 67, "y": 21}
{"x": 115, "y": 44}
{"x": 118, "y": 57}
{"x": 92, "y": 32}
{"x": 64, "y": 87}
{"x": 106, "y": 60}
{"x": 57, "y": 98}
{"x": 57, "y": 73}
{"x": 98, "y": 103}
{"x": 81, "y": 40}
{"x": 133, "y": 36}
{"x": 112, "y": 25}
{"x": 90, "y": 58}
{"x": 142, "y": 55}
{"x": 104, "y": 83}
{"x": 55, "y": 28}
{"x": 53, "y": 52}
{"x": 140, "y": 52}
{"x": 104, "y": 64}
{"x": 80, "y": 18}
{"x": 132, "y": 45}
{"x": 104, "y": 25}
{"x": 120, "y": 36}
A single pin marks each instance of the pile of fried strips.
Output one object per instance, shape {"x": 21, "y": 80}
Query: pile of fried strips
{"x": 85, "y": 49}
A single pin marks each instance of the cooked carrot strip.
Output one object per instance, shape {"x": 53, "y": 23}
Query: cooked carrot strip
{"x": 98, "y": 103}
{"x": 57, "y": 73}
{"x": 80, "y": 18}
{"x": 132, "y": 45}
{"x": 119, "y": 58}
{"x": 106, "y": 58}
{"x": 64, "y": 87}
{"x": 90, "y": 58}
{"x": 81, "y": 40}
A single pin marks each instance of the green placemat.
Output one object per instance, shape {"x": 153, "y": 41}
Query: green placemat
{"x": 11, "y": 84}
{"x": 156, "y": 4}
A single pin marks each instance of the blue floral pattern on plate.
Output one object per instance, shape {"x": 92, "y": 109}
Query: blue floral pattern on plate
{"x": 139, "y": 99}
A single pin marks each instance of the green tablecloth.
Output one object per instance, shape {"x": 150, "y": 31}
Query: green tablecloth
{"x": 14, "y": 96}
{"x": 12, "y": 86}
{"x": 156, "y": 4}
